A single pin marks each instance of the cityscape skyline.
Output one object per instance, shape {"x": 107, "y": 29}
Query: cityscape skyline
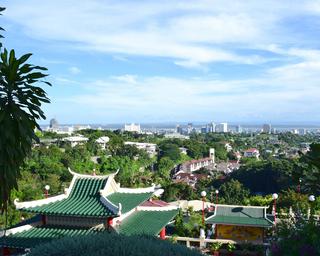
{"x": 174, "y": 61}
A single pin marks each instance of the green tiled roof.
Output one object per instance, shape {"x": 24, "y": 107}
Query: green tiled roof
{"x": 39, "y": 235}
{"x": 146, "y": 222}
{"x": 238, "y": 215}
{"x": 84, "y": 200}
{"x": 128, "y": 200}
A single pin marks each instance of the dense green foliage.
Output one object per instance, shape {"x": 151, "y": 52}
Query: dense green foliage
{"x": 233, "y": 192}
{"x": 112, "y": 245}
{"x": 1, "y": 28}
{"x": 266, "y": 177}
{"x": 48, "y": 164}
{"x": 178, "y": 191}
{"x": 297, "y": 237}
{"x": 188, "y": 226}
{"x": 311, "y": 174}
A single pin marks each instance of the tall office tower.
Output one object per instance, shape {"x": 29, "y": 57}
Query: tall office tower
{"x": 212, "y": 127}
{"x": 189, "y": 128}
{"x": 54, "y": 123}
{"x": 179, "y": 129}
{"x": 222, "y": 127}
{"x": 239, "y": 129}
{"x": 266, "y": 128}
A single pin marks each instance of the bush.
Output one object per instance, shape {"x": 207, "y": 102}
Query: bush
{"x": 112, "y": 245}
{"x": 297, "y": 237}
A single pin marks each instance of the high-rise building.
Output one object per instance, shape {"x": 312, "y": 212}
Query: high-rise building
{"x": 54, "y": 124}
{"x": 179, "y": 129}
{"x": 266, "y": 128}
{"x": 212, "y": 127}
{"x": 239, "y": 129}
{"x": 204, "y": 129}
{"x": 189, "y": 128}
{"x": 222, "y": 127}
{"x": 132, "y": 128}
{"x": 302, "y": 131}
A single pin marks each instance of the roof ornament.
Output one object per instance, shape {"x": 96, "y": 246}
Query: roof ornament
{"x": 119, "y": 209}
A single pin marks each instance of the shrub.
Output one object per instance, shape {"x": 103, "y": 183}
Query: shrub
{"x": 112, "y": 245}
{"x": 297, "y": 237}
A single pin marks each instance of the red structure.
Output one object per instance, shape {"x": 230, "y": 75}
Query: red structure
{"x": 163, "y": 233}
{"x": 5, "y": 251}
{"x": 44, "y": 219}
{"x": 110, "y": 221}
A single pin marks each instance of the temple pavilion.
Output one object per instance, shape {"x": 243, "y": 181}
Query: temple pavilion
{"x": 240, "y": 223}
{"x": 91, "y": 204}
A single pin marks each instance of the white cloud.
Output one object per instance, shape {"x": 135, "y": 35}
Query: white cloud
{"x": 74, "y": 70}
{"x": 192, "y": 33}
{"x": 274, "y": 96}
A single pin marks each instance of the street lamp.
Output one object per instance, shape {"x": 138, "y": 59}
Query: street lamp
{"x": 203, "y": 194}
{"x": 46, "y": 191}
{"x": 311, "y": 198}
{"x": 299, "y": 186}
{"x": 217, "y": 196}
{"x": 275, "y": 197}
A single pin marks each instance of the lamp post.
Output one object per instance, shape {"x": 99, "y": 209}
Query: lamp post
{"x": 311, "y": 198}
{"x": 299, "y": 188}
{"x": 46, "y": 191}
{"x": 217, "y": 196}
{"x": 203, "y": 194}
{"x": 275, "y": 197}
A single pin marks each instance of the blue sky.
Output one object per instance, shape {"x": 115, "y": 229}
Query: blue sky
{"x": 156, "y": 61}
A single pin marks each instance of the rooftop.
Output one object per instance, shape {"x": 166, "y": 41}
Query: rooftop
{"x": 240, "y": 215}
{"x": 146, "y": 222}
{"x": 39, "y": 235}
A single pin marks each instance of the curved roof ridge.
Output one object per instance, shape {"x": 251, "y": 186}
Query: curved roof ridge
{"x": 244, "y": 206}
{"x": 137, "y": 190}
{"x": 88, "y": 176}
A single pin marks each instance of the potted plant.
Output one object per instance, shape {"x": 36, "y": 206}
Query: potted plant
{"x": 231, "y": 247}
{"x": 215, "y": 248}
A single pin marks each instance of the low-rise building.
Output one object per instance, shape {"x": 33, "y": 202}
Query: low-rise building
{"x": 183, "y": 150}
{"x": 176, "y": 136}
{"x": 227, "y": 146}
{"x": 227, "y": 167}
{"x": 75, "y": 140}
{"x": 252, "y": 152}
{"x": 150, "y": 148}
{"x": 103, "y": 141}
{"x": 197, "y": 164}
{"x": 189, "y": 178}
{"x": 240, "y": 223}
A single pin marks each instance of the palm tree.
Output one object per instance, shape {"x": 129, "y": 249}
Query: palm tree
{"x": 20, "y": 102}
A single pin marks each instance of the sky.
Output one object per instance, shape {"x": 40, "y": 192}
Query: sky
{"x": 148, "y": 61}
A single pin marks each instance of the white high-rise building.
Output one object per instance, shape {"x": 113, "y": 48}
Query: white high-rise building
{"x": 239, "y": 129}
{"x": 302, "y": 131}
{"x": 266, "y": 128}
{"x": 132, "y": 128}
{"x": 212, "y": 127}
{"x": 222, "y": 127}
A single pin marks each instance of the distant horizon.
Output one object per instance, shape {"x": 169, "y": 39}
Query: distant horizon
{"x": 196, "y": 123}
